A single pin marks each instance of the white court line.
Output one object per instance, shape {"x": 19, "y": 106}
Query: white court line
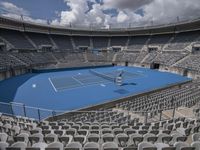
{"x": 53, "y": 85}
{"x": 77, "y": 80}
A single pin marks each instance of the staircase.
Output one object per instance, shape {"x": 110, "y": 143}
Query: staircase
{"x": 15, "y": 58}
{"x": 30, "y": 41}
{"x": 91, "y": 43}
{"x": 127, "y": 42}
{"x": 55, "y": 46}
{"x": 109, "y": 42}
{"x": 85, "y": 56}
{"x": 166, "y": 45}
{"x": 144, "y": 58}
{"x": 114, "y": 57}
{"x": 73, "y": 43}
{"x": 145, "y": 47}
{"x": 189, "y": 47}
{"x": 181, "y": 60}
{"x": 8, "y": 44}
{"x": 55, "y": 58}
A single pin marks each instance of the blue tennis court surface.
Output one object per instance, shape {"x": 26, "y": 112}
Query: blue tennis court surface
{"x": 68, "y": 90}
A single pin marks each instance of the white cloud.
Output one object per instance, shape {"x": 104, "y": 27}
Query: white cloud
{"x": 159, "y": 11}
{"x": 10, "y": 8}
{"x": 126, "y": 4}
{"x": 13, "y": 11}
{"x": 122, "y": 17}
{"x": 167, "y": 10}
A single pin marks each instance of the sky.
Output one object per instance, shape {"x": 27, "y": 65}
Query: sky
{"x": 122, "y": 13}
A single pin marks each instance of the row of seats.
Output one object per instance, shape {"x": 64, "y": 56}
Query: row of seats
{"x": 25, "y": 133}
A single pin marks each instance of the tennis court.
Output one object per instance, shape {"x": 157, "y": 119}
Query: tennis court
{"x": 91, "y": 78}
{"x": 80, "y": 88}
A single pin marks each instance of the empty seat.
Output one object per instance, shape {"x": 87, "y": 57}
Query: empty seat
{"x": 183, "y": 146}
{"x": 36, "y": 130}
{"x": 108, "y": 137}
{"x": 65, "y": 139}
{"x": 164, "y": 138}
{"x": 36, "y": 138}
{"x": 196, "y": 137}
{"x": 91, "y": 146}
{"x": 38, "y": 146}
{"x": 22, "y": 137}
{"x": 17, "y": 146}
{"x": 150, "y": 138}
{"x": 73, "y": 146}
{"x": 55, "y": 146}
{"x": 135, "y": 139}
{"x": 3, "y": 137}
{"x": 122, "y": 139}
{"x": 71, "y": 131}
{"x": 146, "y": 146}
{"x": 196, "y": 145}
{"x": 3, "y": 145}
{"x": 80, "y": 138}
{"x": 163, "y": 146}
{"x": 93, "y": 138}
{"x": 110, "y": 146}
{"x": 49, "y": 138}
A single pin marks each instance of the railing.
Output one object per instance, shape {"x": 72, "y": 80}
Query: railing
{"x": 94, "y": 26}
{"x": 19, "y": 109}
{"x": 118, "y": 115}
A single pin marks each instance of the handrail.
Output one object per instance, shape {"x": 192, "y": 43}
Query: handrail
{"x": 52, "y": 114}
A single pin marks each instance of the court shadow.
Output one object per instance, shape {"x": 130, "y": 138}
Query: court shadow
{"x": 125, "y": 84}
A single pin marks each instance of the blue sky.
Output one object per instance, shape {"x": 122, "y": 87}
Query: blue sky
{"x": 42, "y": 9}
{"x": 102, "y": 12}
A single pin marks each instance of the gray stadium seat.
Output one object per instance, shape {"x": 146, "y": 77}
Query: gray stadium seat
{"x": 196, "y": 137}
{"x": 183, "y": 146}
{"x": 146, "y": 146}
{"x": 73, "y": 146}
{"x": 38, "y": 146}
{"x": 17, "y": 146}
{"x": 55, "y": 146}
{"x": 110, "y": 146}
{"x": 3, "y": 145}
{"x": 3, "y": 137}
{"x": 196, "y": 145}
{"x": 91, "y": 146}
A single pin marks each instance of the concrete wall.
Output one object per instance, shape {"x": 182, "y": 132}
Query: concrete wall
{"x": 12, "y": 72}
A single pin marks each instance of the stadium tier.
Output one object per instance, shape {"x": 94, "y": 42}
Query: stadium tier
{"x": 99, "y": 89}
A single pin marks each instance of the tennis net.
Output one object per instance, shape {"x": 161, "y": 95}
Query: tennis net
{"x": 102, "y": 75}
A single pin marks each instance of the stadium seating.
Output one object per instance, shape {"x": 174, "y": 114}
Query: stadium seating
{"x": 136, "y": 43}
{"x": 182, "y": 40}
{"x": 16, "y": 38}
{"x": 112, "y": 134}
{"x": 168, "y": 58}
{"x": 191, "y": 62}
{"x": 118, "y": 41}
{"x": 63, "y": 42}
{"x": 39, "y": 39}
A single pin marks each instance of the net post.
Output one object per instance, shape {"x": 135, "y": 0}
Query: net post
{"x": 39, "y": 117}
{"x": 53, "y": 115}
{"x": 24, "y": 109}
{"x": 11, "y": 108}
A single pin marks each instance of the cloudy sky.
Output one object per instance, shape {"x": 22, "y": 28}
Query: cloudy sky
{"x": 102, "y": 12}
